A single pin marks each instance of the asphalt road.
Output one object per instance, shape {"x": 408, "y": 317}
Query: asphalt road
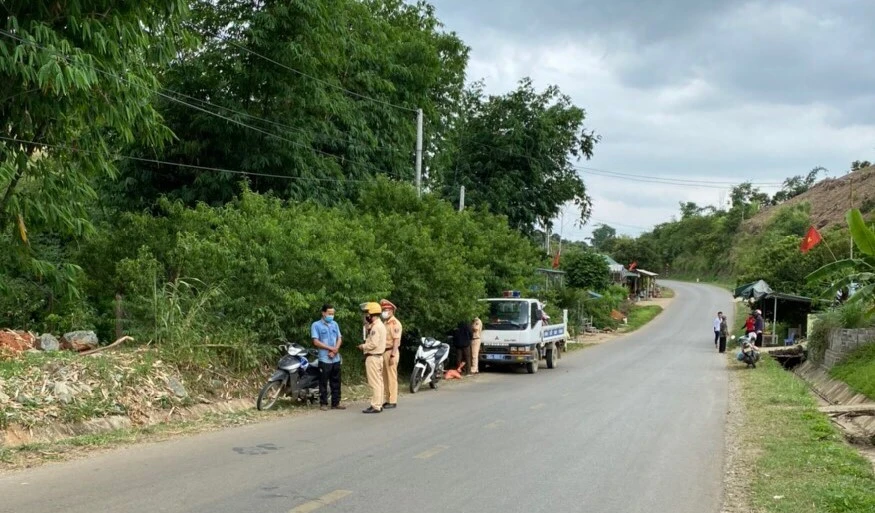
{"x": 634, "y": 425}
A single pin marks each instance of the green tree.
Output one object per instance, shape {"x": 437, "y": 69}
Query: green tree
{"x": 860, "y": 164}
{"x": 513, "y": 155}
{"x": 641, "y": 250}
{"x": 796, "y": 185}
{"x": 328, "y": 90}
{"x": 602, "y": 237}
{"x": 587, "y": 270}
{"x": 77, "y": 79}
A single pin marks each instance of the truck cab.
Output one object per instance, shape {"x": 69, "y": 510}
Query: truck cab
{"x": 517, "y": 331}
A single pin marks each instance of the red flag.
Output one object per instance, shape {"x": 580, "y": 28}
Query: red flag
{"x": 812, "y": 238}
{"x": 556, "y": 260}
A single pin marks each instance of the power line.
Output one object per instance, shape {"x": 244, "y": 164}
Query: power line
{"x": 638, "y": 177}
{"x": 195, "y": 107}
{"x": 671, "y": 179}
{"x": 271, "y": 122}
{"x": 180, "y": 164}
{"x": 612, "y": 223}
{"x": 321, "y": 81}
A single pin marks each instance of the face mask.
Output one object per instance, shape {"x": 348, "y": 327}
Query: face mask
{"x": 329, "y": 318}
{"x": 385, "y": 315}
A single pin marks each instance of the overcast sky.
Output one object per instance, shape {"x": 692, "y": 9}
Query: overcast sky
{"x": 699, "y": 90}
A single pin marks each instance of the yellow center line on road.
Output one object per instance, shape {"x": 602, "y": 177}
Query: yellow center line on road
{"x": 537, "y": 406}
{"x": 325, "y": 500}
{"x": 493, "y": 425}
{"x": 432, "y": 452}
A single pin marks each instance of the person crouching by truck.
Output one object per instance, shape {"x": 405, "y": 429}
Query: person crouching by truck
{"x": 373, "y": 349}
{"x": 391, "y": 355}
{"x": 462, "y": 342}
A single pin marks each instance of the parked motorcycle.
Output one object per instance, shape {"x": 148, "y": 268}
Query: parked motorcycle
{"x": 295, "y": 377}
{"x": 748, "y": 354}
{"x": 431, "y": 355}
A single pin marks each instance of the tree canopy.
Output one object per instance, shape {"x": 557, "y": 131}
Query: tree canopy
{"x": 78, "y": 81}
{"x": 514, "y": 154}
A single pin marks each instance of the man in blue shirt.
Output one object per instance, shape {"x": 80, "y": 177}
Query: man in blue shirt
{"x": 327, "y": 338}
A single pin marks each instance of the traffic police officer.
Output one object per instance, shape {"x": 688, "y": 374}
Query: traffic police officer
{"x": 391, "y": 355}
{"x": 373, "y": 348}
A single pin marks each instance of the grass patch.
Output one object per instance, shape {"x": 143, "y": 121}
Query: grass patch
{"x": 858, "y": 370}
{"x": 666, "y": 292}
{"x": 579, "y": 346}
{"x": 640, "y": 315}
{"x": 802, "y": 463}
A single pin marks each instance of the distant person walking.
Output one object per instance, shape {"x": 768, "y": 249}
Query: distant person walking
{"x": 716, "y": 323}
{"x": 724, "y": 333}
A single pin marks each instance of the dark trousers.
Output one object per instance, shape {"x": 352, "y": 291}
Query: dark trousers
{"x": 329, "y": 375}
{"x": 722, "y": 348}
{"x": 716, "y": 337}
{"x": 463, "y": 354}
{"x": 760, "y": 339}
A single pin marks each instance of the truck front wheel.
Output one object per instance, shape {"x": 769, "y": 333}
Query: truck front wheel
{"x": 532, "y": 367}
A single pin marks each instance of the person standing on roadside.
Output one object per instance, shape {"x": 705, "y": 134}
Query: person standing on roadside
{"x": 717, "y": 328}
{"x": 750, "y": 325}
{"x": 724, "y": 333}
{"x": 476, "y": 329}
{"x": 392, "y": 353}
{"x": 373, "y": 349}
{"x": 327, "y": 339}
{"x": 462, "y": 341}
{"x": 759, "y": 326}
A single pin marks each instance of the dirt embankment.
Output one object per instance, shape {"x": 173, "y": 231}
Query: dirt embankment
{"x": 830, "y": 199}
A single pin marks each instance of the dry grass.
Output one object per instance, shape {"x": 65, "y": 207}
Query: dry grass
{"x": 830, "y": 199}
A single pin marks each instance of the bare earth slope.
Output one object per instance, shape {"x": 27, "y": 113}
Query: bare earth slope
{"x": 829, "y": 199}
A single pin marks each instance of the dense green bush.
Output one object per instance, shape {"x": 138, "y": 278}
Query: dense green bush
{"x": 258, "y": 269}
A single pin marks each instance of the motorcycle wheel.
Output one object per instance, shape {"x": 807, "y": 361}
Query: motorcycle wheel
{"x": 416, "y": 379}
{"x": 268, "y": 395}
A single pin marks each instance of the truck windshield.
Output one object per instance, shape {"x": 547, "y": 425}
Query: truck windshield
{"x": 507, "y": 315}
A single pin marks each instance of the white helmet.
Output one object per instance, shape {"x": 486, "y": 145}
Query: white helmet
{"x": 751, "y": 336}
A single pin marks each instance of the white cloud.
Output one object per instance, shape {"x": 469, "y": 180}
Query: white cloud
{"x": 735, "y": 91}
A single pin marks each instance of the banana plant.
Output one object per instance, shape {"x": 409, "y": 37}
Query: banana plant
{"x": 859, "y": 270}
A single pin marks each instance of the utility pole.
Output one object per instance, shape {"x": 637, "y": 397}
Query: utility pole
{"x": 419, "y": 153}
{"x": 462, "y": 198}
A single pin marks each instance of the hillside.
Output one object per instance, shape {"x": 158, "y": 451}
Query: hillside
{"x": 830, "y": 199}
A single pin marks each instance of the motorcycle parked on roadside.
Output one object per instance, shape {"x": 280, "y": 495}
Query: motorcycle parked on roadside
{"x": 748, "y": 354}
{"x": 296, "y": 376}
{"x": 431, "y": 355}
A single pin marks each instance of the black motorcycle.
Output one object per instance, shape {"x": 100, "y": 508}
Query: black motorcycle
{"x": 296, "y": 376}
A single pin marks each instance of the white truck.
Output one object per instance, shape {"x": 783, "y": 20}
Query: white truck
{"x": 516, "y": 331}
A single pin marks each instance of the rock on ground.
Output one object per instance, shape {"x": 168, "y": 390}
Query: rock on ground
{"x": 177, "y": 388}
{"x": 48, "y": 342}
{"x": 79, "y": 340}
{"x": 63, "y": 392}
